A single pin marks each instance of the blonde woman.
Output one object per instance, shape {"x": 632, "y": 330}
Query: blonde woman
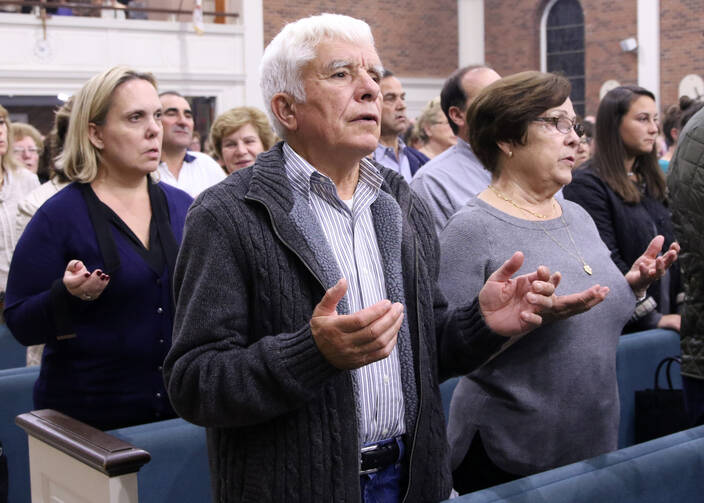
{"x": 15, "y": 183}
{"x": 434, "y": 130}
{"x": 239, "y": 135}
{"x": 92, "y": 274}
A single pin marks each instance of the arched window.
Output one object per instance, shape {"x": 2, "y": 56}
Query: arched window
{"x": 562, "y": 45}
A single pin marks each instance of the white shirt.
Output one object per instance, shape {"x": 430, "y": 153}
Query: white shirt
{"x": 16, "y": 185}
{"x": 199, "y": 171}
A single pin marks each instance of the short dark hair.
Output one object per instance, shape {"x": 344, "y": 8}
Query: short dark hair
{"x": 611, "y": 151}
{"x": 387, "y": 73}
{"x": 503, "y": 110}
{"x": 688, "y": 108}
{"x": 453, "y": 95}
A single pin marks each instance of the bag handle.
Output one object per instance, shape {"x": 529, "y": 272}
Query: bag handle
{"x": 668, "y": 360}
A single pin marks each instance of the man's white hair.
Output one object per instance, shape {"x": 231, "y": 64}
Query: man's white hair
{"x": 284, "y": 58}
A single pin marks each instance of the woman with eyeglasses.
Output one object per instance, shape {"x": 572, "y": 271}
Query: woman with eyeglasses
{"x": 584, "y": 147}
{"x": 549, "y": 398}
{"x": 15, "y": 183}
{"x": 623, "y": 189}
{"x": 434, "y": 130}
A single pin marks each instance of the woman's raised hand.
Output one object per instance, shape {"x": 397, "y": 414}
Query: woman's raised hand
{"x": 649, "y": 267}
{"x": 82, "y": 283}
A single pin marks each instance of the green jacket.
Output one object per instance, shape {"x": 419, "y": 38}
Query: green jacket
{"x": 686, "y": 184}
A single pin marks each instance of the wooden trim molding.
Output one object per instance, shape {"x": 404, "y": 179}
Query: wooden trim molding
{"x": 93, "y": 447}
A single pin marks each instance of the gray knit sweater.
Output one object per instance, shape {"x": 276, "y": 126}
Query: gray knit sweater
{"x": 551, "y": 398}
{"x": 281, "y": 420}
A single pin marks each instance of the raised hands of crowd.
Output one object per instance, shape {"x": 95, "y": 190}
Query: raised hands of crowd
{"x": 515, "y": 306}
{"x": 82, "y": 283}
{"x": 650, "y": 267}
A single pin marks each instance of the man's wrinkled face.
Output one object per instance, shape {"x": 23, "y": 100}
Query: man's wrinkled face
{"x": 342, "y": 110}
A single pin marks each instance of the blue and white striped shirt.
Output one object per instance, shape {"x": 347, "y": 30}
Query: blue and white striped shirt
{"x": 352, "y": 238}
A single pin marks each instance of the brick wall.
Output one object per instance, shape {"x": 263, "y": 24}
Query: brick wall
{"x": 681, "y": 45}
{"x": 414, "y": 38}
{"x": 606, "y": 24}
{"x": 512, "y": 31}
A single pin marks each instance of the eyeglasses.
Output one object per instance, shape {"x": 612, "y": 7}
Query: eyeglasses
{"x": 563, "y": 124}
{"x": 25, "y": 150}
{"x": 585, "y": 140}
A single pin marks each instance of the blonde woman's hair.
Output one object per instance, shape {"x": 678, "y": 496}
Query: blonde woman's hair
{"x": 21, "y": 130}
{"x": 80, "y": 159}
{"x": 429, "y": 116}
{"x": 8, "y": 162}
{"x": 230, "y": 121}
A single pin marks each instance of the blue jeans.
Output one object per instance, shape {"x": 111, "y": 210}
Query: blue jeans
{"x": 383, "y": 486}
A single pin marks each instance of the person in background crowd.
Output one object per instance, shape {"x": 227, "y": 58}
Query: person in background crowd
{"x": 686, "y": 187}
{"x": 623, "y": 189}
{"x": 452, "y": 178}
{"x": 689, "y": 112}
{"x": 550, "y": 398}
{"x": 28, "y": 145}
{"x": 195, "y": 145}
{"x": 30, "y": 204}
{"x": 239, "y": 136}
{"x": 192, "y": 172}
{"x": 584, "y": 148}
{"x": 91, "y": 276}
{"x": 308, "y": 321}
{"x": 434, "y": 130}
{"x": 670, "y": 131}
{"x": 16, "y": 183}
{"x": 391, "y": 152}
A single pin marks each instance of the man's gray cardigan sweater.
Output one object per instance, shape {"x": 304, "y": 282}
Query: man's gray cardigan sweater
{"x": 282, "y": 421}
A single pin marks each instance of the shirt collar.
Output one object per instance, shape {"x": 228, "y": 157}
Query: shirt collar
{"x": 189, "y": 157}
{"x": 382, "y": 150}
{"x": 304, "y": 177}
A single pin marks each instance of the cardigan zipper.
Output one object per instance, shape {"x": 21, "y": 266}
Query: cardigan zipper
{"x": 420, "y": 373}
{"x": 287, "y": 245}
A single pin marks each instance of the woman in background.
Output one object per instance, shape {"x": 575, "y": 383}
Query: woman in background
{"x": 623, "y": 189}
{"x": 91, "y": 276}
{"x": 239, "y": 135}
{"x": 434, "y": 131}
{"x": 15, "y": 183}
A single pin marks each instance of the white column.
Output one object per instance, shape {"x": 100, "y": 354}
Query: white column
{"x": 252, "y": 16}
{"x": 470, "y": 26}
{"x": 649, "y": 46}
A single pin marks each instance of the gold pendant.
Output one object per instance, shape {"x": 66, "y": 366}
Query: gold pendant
{"x": 587, "y": 269}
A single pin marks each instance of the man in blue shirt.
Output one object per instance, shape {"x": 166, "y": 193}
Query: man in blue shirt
{"x": 391, "y": 151}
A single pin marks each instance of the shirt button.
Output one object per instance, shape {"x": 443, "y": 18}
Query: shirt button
{"x": 158, "y": 395}
{"x": 160, "y": 368}
{"x": 161, "y": 341}
{"x": 159, "y": 310}
{"x": 386, "y": 379}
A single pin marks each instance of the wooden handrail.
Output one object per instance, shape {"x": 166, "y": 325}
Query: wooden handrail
{"x": 122, "y": 8}
{"x": 89, "y": 445}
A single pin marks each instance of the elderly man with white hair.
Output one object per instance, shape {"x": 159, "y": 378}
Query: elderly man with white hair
{"x": 310, "y": 336}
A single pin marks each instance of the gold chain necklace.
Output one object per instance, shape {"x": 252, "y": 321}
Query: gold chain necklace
{"x": 585, "y": 266}
{"x": 578, "y": 256}
{"x": 503, "y": 196}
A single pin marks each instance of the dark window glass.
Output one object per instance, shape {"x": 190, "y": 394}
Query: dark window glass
{"x": 565, "y": 47}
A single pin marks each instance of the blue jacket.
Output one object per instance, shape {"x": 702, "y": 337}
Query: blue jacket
{"x": 103, "y": 359}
